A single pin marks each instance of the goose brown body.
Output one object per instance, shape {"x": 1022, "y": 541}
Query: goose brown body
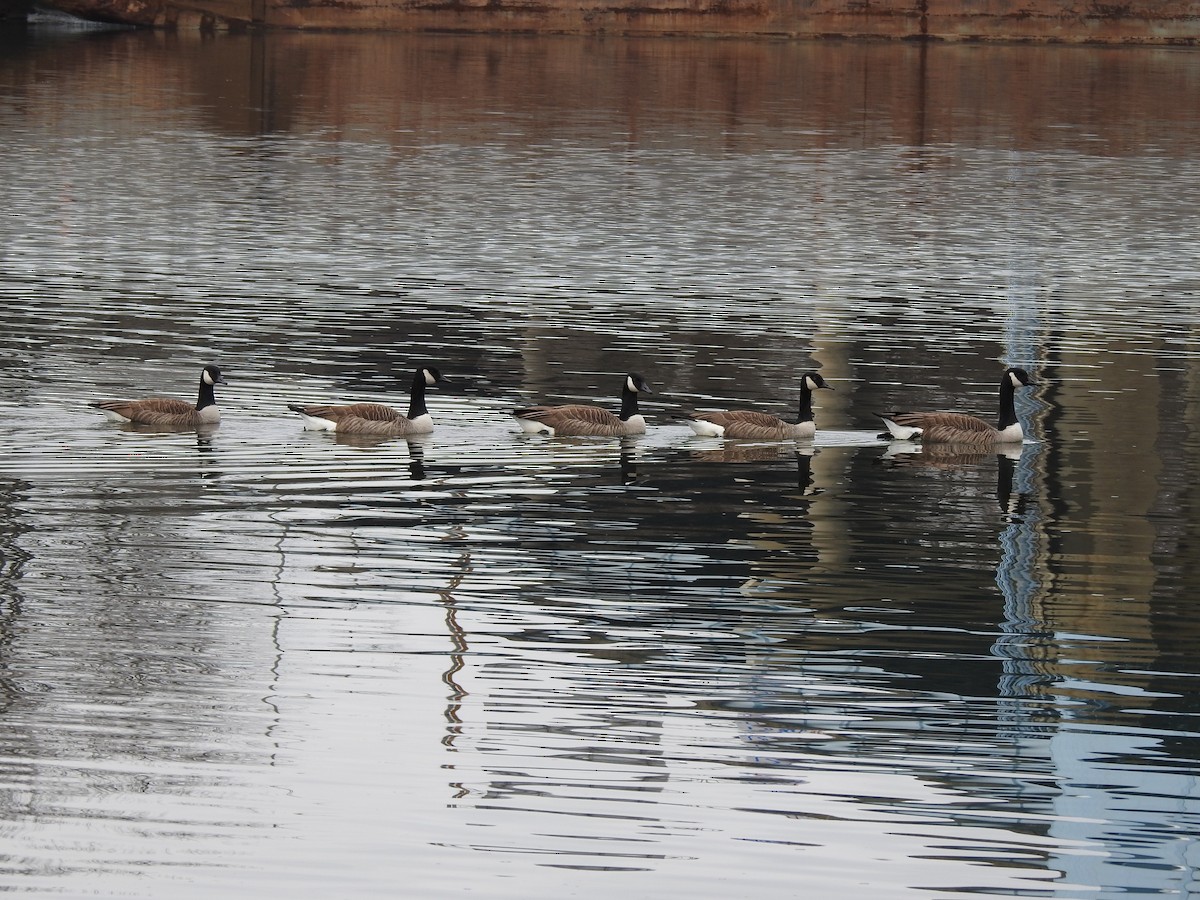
{"x": 949, "y": 428}
{"x": 753, "y": 425}
{"x": 364, "y": 418}
{"x": 748, "y": 424}
{"x": 166, "y": 412}
{"x": 375, "y": 419}
{"x": 581, "y": 420}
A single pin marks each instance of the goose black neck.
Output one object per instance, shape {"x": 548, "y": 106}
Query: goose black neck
{"x": 1008, "y": 409}
{"x": 806, "y": 410}
{"x": 207, "y": 397}
{"x": 629, "y": 405}
{"x": 416, "y": 396}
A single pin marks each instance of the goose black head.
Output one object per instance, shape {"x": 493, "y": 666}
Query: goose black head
{"x": 212, "y": 375}
{"x": 431, "y": 375}
{"x": 1019, "y": 377}
{"x": 813, "y": 381}
{"x": 636, "y": 383}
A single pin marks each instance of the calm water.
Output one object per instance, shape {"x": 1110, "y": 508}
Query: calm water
{"x": 264, "y": 662}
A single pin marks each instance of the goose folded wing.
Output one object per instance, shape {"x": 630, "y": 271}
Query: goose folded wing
{"x": 148, "y": 411}
{"x": 371, "y": 412}
{"x": 950, "y": 427}
{"x": 578, "y": 419}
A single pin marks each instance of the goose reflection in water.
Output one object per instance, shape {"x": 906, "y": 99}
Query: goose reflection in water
{"x": 416, "y": 448}
{"x": 205, "y": 436}
{"x": 732, "y": 453}
{"x": 203, "y": 432}
{"x": 599, "y": 452}
{"x": 948, "y": 457}
{"x": 628, "y": 460}
{"x": 205, "y": 443}
{"x": 778, "y": 544}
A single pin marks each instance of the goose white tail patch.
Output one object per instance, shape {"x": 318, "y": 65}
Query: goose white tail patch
{"x": 532, "y": 426}
{"x": 115, "y": 417}
{"x": 315, "y": 423}
{"x": 704, "y": 428}
{"x": 901, "y": 448}
{"x": 901, "y": 432}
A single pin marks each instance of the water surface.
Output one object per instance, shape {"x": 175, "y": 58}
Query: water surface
{"x": 270, "y": 662}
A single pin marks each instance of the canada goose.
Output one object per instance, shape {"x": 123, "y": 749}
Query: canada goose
{"x": 375, "y": 418}
{"x": 577, "y": 419}
{"x": 758, "y": 426}
{"x": 165, "y": 412}
{"x": 958, "y": 428}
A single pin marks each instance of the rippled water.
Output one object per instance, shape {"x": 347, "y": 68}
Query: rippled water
{"x": 266, "y": 662}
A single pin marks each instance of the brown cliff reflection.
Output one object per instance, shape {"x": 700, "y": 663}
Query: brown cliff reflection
{"x": 409, "y": 89}
{"x": 414, "y": 88}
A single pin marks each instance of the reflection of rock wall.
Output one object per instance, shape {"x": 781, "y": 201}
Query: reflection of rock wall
{"x": 1072, "y": 21}
{"x": 878, "y": 92}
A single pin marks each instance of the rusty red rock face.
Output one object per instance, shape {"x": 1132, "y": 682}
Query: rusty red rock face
{"x": 1062, "y": 21}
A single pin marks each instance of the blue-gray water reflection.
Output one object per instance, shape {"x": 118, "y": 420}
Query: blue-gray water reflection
{"x": 295, "y": 664}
